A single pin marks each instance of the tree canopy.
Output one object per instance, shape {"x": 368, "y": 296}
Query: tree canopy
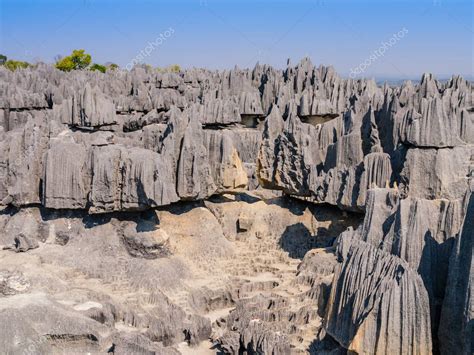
{"x": 112, "y": 66}
{"x": 76, "y": 61}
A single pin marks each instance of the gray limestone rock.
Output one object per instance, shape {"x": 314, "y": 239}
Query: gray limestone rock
{"x": 66, "y": 177}
{"x": 456, "y": 329}
{"x": 89, "y": 109}
{"x": 25, "y": 150}
{"x": 217, "y": 111}
{"x": 227, "y": 169}
{"x": 266, "y": 162}
{"x": 377, "y": 173}
{"x": 147, "y": 180}
{"x": 432, "y": 126}
{"x": 437, "y": 173}
{"x": 194, "y": 179}
{"x": 119, "y": 143}
{"x": 378, "y": 304}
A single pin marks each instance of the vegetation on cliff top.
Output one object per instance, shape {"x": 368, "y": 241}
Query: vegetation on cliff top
{"x": 78, "y": 60}
{"x": 12, "y": 64}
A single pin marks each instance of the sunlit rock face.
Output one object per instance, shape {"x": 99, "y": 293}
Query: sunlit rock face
{"x": 259, "y": 211}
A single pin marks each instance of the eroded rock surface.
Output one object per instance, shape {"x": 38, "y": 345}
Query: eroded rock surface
{"x": 159, "y": 212}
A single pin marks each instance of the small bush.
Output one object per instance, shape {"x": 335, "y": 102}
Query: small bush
{"x": 16, "y": 64}
{"x": 65, "y": 64}
{"x": 175, "y": 68}
{"x": 3, "y": 59}
{"x": 76, "y": 61}
{"x": 99, "y": 67}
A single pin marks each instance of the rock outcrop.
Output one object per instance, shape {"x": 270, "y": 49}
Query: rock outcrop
{"x": 82, "y": 153}
{"x": 378, "y": 304}
{"x": 456, "y": 330}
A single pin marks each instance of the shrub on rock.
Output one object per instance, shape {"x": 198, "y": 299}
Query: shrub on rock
{"x": 16, "y": 64}
{"x": 76, "y": 61}
{"x": 99, "y": 67}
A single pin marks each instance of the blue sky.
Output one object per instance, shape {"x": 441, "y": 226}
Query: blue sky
{"x": 221, "y": 34}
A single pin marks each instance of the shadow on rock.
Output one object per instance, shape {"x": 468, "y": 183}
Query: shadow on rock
{"x": 326, "y": 346}
{"x": 297, "y": 240}
{"x": 433, "y": 269}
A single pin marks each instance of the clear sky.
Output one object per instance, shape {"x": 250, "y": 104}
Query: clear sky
{"x": 439, "y": 34}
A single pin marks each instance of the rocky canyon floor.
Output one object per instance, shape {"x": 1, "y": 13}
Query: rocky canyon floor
{"x": 242, "y": 265}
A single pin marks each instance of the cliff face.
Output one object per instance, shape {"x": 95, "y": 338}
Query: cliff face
{"x": 106, "y": 148}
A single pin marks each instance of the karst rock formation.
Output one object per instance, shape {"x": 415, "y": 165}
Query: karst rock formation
{"x": 238, "y": 211}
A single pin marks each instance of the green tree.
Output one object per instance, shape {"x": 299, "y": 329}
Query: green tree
{"x": 16, "y": 64}
{"x": 175, "y": 68}
{"x": 99, "y": 67}
{"x": 76, "y": 61}
{"x": 3, "y": 59}
{"x": 65, "y": 64}
{"x": 113, "y": 66}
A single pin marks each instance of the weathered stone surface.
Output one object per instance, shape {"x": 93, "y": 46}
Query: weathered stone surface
{"x": 15, "y": 97}
{"x": 45, "y": 326}
{"x": 90, "y": 109}
{"x": 139, "y": 120}
{"x": 378, "y": 304}
{"x": 147, "y": 180}
{"x": 22, "y": 231}
{"x": 437, "y": 173}
{"x": 66, "y": 180}
{"x": 121, "y": 143}
{"x": 377, "y": 173}
{"x": 25, "y": 149}
{"x": 217, "y": 111}
{"x": 329, "y": 126}
{"x": 432, "y": 126}
{"x": 381, "y": 206}
{"x": 194, "y": 179}
{"x": 145, "y": 244}
{"x": 456, "y": 330}
{"x": 266, "y": 161}
{"x": 227, "y": 169}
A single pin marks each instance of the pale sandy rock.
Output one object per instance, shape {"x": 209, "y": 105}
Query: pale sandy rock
{"x": 148, "y": 244}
